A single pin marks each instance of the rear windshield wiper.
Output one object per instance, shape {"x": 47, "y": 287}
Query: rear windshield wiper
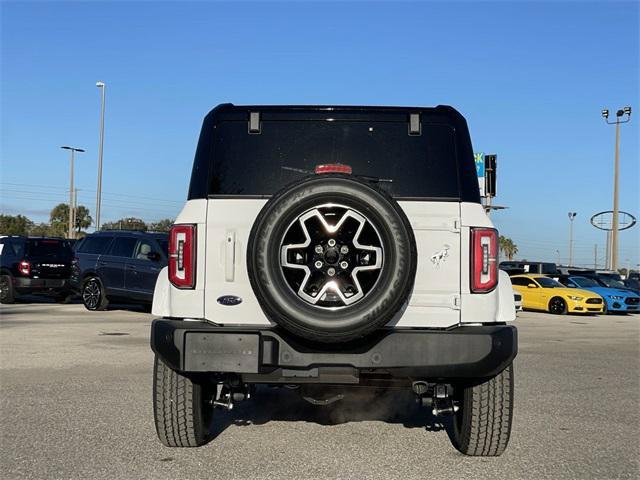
{"x": 368, "y": 178}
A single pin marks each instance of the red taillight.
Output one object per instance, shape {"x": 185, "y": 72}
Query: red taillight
{"x": 182, "y": 256}
{"x": 333, "y": 168}
{"x": 484, "y": 259}
{"x": 24, "y": 268}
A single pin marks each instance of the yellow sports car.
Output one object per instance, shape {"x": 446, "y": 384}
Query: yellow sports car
{"x": 544, "y": 293}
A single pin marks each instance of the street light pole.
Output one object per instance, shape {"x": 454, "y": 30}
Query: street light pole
{"x": 615, "y": 223}
{"x": 572, "y": 215}
{"x": 73, "y": 150}
{"x": 103, "y": 89}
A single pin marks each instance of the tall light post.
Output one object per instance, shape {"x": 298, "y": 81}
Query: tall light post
{"x": 572, "y": 215}
{"x": 103, "y": 89}
{"x": 71, "y": 190}
{"x": 614, "y": 227}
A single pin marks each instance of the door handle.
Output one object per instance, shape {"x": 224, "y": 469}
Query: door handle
{"x": 230, "y": 256}
{"x": 102, "y": 264}
{"x": 131, "y": 267}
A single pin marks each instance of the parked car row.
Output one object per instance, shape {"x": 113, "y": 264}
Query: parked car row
{"x": 560, "y": 294}
{"x": 105, "y": 266}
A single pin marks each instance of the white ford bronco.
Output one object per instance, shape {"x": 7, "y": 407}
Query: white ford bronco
{"x": 326, "y": 248}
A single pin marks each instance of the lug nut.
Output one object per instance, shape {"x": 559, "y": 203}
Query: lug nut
{"x": 331, "y": 272}
{"x": 318, "y": 264}
{"x": 343, "y": 265}
{"x": 318, "y": 249}
{"x": 344, "y": 249}
{"x": 332, "y": 242}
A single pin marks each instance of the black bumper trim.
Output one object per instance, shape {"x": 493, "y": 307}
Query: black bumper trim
{"x": 463, "y": 352}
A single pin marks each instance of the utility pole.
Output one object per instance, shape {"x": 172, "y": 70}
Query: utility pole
{"x": 595, "y": 256}
{"x": 614, "y": 227}
{"x": 103, "y": 88}
{"x": 73, "y": 150}
{"x": 607, "y": 260}
{"x": 75, "y": 211}
{"x": 572, "y": 215}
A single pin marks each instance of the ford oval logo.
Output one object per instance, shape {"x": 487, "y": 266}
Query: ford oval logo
{"x": 229, "y": 300}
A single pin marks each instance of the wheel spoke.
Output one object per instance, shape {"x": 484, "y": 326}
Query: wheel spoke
{"x": 330, "y": 255}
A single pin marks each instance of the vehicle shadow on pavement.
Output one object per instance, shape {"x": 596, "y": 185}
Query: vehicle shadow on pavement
{"x": 363, "y": 404}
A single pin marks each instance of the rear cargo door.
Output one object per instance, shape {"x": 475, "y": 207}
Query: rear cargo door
{"x": 435, "y": 301}
{"x": 229, "y": 296}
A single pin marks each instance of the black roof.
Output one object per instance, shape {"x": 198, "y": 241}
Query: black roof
{"x": 128, "y": 233}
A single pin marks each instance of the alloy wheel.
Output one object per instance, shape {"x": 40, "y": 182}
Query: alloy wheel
{"x": 331, "y": 256}
{"x": 91, "y": 294}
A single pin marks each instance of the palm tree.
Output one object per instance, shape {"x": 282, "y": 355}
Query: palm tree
{"x": 507, "y": 247}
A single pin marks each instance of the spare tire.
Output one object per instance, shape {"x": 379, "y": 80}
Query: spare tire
{"x": 331, "y": 258}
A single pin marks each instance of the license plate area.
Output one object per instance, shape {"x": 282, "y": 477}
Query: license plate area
{"x": 221, "y": 352}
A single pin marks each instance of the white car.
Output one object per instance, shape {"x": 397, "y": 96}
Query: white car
{"x": 327, "y": 247}
{"x": 517, "y": 300}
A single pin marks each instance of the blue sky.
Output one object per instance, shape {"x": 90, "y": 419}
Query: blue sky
{"x": 530, "y": 77}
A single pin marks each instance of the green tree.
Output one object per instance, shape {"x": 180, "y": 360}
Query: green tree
{"x": 130, "y": 223}
{"x": 163, "y": 225}
{"x": 507, "y": 247}
{"x": 41, "y": 230}
{"x": 59, "y": 218}
{"x": 15, "y": 225}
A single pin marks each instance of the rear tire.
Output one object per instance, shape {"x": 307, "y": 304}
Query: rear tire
{"x": 7, "y": 294}
{"x": 482, "y": 426}
{"x": 93, "y": 295}
{"x": 181, "y": 415}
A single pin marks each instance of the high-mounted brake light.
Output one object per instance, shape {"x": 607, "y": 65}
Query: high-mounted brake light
{"x": 24, "y": 267}
{"x": 182, "y": 256}
{"x": 333, "y": 168}
{"x": 484, "y": 259}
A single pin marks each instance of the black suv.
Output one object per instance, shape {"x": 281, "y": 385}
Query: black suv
{"x": 34, "y": 265}
{"x": 118, "y": 265}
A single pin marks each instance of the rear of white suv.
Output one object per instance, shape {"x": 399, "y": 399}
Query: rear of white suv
{"x": 326, "y": 247}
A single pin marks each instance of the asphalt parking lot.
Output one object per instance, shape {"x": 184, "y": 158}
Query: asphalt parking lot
{"x": 76, "y": 403}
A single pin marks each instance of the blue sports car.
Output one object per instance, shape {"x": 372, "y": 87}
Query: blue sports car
{"x": 615, "y": 299}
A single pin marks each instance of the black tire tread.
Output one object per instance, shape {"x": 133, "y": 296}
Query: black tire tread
{"x": 176, "y": 408}
{"x": 486, "y": 424}
{"x": 11, "y": 296}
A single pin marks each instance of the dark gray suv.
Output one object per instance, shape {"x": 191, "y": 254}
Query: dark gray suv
{"x": 118, "y": 266}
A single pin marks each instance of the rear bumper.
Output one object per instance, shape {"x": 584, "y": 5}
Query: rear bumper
{"x": 271, "y": 355}
{"x": 37, "y": 285}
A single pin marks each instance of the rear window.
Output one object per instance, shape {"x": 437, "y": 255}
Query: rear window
{"x": 410, "y": 166}
{"x": 94, "y": 245}
{"x": 48, "y": 248}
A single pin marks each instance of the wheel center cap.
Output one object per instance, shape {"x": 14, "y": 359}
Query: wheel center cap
{"x": 332, "y": 255}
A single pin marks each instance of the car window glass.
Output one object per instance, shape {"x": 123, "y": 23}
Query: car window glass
{"x": 48, "y": 247}
{"x": 546, "y": 282}
{"x": 18, "y": 247}
{"x": 164, "y": 245}
{"x": 520, "y": 281}
{"x": 143, "y": 249}
{"x": 419, "y": 165}
{"x": 585, "y": 282}
{"x": 95, "y": 245}
{"x": 123, "y": 247}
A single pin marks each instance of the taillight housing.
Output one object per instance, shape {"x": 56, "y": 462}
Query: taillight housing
{"x": 484, "y": 259}
{"x": 182, "y": 256}
{"x": 24, "y": 267}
